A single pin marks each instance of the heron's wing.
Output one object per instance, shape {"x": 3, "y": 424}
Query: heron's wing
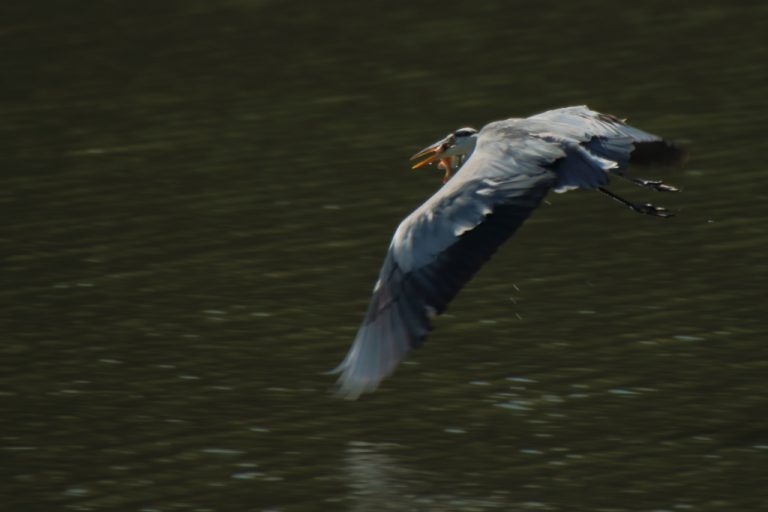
{"x": 603, "y": 136}
{"x": 441, "y": 245}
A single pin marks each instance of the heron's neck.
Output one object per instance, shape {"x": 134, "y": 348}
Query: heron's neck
{"x": 471, "y": 143}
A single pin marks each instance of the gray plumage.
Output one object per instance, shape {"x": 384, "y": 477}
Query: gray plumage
{"x": 445, "y": 241}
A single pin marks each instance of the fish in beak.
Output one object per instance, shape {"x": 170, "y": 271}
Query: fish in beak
{"x": 434, "y": 154}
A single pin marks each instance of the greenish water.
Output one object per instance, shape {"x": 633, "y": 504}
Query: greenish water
{"x": 196, "y": 198}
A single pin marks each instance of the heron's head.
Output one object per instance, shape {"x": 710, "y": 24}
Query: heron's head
{"x": 458, "y": 144}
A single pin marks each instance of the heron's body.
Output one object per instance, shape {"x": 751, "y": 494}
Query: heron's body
{"x": 509, "y": 168}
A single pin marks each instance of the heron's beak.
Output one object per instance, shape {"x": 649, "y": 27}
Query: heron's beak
{"x": 432, "y": 153}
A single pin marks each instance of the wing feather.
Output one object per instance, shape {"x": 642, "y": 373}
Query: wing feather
{"x": 608, "y": 137}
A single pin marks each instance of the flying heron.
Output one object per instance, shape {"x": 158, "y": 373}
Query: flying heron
{"x": 504, "y": 172}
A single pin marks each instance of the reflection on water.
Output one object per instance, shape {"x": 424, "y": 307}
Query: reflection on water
{"x": 197, "y": 198}
{"x": 378, "y": 483}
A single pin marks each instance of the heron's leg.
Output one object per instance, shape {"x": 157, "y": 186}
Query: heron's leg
{"x": 647, "y": 208}
{"x": 656, "y": 185}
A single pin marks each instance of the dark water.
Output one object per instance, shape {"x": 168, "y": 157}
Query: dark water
{"x": 196, "y": 198}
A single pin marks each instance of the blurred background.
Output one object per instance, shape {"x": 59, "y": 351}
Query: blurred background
{"x": 196, "y": 197}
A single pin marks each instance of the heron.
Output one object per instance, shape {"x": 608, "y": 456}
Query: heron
{"x": 494, "y": 178}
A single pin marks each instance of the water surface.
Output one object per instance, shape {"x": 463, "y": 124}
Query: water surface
{"x": 197, "y": 197}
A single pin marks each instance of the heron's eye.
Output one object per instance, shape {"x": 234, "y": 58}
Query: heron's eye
{"x": 464, "y": 132}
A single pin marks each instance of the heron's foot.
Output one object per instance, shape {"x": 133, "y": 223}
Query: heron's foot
{"x": 645, "y": 209}
{"x": 650, "y": 209}
{"x": 657, "y": 185}
{"x": 663, "y": 187}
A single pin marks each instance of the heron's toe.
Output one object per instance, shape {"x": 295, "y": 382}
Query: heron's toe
{"x": 663, "y": 187}
{"x": 657, "y": 211}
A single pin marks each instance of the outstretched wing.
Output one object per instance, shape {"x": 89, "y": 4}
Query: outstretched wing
{"x": 603, "y": 136}
{"x": 441, "y": 245}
